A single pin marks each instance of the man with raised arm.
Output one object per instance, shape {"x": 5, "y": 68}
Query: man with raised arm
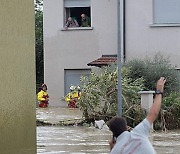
{"x": 136, "y": 141}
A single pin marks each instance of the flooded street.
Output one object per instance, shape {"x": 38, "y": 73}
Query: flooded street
{"x": 84, "y": 140}
{"x": 73, "y": 139}
{"x": 168, "y": 142}
{"x": 81, "y": 140}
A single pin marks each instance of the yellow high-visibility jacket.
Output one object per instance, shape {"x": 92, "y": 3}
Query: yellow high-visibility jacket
{"x": 72, "y": 95}
{"x": 42, "y": 95}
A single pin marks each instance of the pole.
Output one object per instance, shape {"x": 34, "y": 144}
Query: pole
{"x": 119, "y": 59}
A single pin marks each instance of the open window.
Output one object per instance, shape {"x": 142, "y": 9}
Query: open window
{"x": 74, "y": 9}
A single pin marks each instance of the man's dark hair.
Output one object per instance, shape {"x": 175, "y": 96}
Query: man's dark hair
{"x": 117, "y": 125}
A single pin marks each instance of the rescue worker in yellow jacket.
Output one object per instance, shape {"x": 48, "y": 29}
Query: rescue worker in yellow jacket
{"x": 43, "y": 97}
{"x": 73, "y": 96}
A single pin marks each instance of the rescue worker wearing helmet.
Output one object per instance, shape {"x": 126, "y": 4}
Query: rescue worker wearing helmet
{"x": 73, "y": 96}
{"x": 43, "y": 97}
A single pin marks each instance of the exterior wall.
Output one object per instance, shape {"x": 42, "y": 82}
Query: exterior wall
{"x": 17, "y": 76}
{"x": 74, "y": 49}
{"x": 143, "y": 40}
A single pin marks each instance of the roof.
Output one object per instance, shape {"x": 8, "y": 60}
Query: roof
{"x": 103, "y": 61}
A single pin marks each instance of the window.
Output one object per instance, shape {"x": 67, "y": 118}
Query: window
{"x": 74, "y": 9}
{"x": 166, "y": 11}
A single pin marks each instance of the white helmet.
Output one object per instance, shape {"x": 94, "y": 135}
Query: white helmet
{"x": 72, "y": 87}
{"x": 78, "y": 88}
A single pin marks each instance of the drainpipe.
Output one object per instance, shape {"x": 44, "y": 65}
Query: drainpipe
{"x": 124, "y": 29}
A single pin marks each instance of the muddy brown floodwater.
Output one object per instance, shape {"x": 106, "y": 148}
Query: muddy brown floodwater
{"x": 84, "y": 140}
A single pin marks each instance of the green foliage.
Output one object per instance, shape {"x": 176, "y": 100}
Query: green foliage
{"x": 131, "y": 99}
{"x": 97, "y": 88}
{"x": 169, "y": 117}
{"x": 99, "y": 93}
{"x": 171, "y": 111}
{"x": 172, "y": 116}
{"x": 152, "y": 69}
{"x": 39, "y": 41}
{"x": 38, "y": 5}
{"x": 173, "y": 98}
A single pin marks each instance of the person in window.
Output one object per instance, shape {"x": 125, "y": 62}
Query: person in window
{"x": 85, "y": 21}
{"x": 136, "y": 141}
{"x": 71, "y": 22}
{"x": 43, "y": 97}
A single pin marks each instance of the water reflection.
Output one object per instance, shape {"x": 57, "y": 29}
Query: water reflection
{"x": 81, "y": 140}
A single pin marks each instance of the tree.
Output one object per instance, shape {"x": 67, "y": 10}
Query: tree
{"x": 39, "y": 41}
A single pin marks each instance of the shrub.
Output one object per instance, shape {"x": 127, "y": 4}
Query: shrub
{"x": 152, "y": 69}
{"x": 169, "y": 117}
{"x": 99, "y": 94}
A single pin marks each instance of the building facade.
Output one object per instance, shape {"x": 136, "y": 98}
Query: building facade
{"x": 147, "y": 28}
{"x": 152, "y": 26}
{"x": 67, "y": 52}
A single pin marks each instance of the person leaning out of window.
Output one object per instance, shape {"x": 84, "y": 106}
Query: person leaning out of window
{"x": 71, "y": 23}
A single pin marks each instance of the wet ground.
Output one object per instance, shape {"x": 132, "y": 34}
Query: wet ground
{"x": 55, "y": 114}
{"x": 84, "y": 140}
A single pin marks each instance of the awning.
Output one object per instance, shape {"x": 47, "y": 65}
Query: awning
{"x": 103, "y": 61}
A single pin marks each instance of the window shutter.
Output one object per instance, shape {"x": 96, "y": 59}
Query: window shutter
{"x": 76, "y": 3}
{"x": 167, "y": 11}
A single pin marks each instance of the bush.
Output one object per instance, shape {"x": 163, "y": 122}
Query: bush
{"x": 152, "y": 69}
{"x": 169, "y": 117}
{"x": 99, "y": 94}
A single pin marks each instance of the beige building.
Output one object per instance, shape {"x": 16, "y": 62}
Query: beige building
{"x": 146, "y": 29}
{"x": 17, "y": 77}
{"x": 152, "y": 26}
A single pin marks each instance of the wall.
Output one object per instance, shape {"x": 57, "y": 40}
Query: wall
{"x": 142, "y": 39}
{"x": 17, "y": 77}
{"x": 74, "y": 49}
